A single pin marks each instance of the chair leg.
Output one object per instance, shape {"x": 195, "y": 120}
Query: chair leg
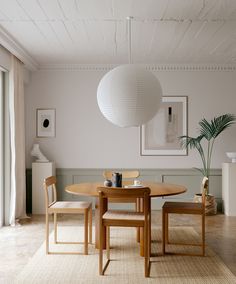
{"x": 141, "y": 245}
{"x": 163, "y": 231}
{"x": 100, "y": 250}
{"x": 146, "y": 248}
{"x": 86, "y": 232}
{"x": 203, "y": 235}
{"x": 167, "y": 228}
{"x": 47, "y": 233}
{"x": 150, "y": 233}
{"x": 165, "y": 237}
{"x": 108, "y": 242}
{"x": 55, "y": 228}
{"x": 90, "y": 225}
{"x": 150, "y": 240}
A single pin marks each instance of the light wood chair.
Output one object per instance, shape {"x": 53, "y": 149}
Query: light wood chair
{"x": 66, "y": 207}
{"x": 125, "y": 174}
{"x": 124, "y": 219}
{"x": 128, "y": 175}
{"x": 184, "y": 208}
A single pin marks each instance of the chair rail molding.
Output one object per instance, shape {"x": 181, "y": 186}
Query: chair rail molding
{"x": 189, "y": 178}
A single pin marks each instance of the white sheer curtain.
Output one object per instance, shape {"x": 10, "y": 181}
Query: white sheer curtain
{"x": 1, "y": 150}
{"x": 17, "y": 206}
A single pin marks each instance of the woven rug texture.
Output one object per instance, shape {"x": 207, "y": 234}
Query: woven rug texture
{"x": 126, "y": 265}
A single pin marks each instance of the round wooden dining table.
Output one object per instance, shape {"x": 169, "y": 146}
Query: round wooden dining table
{"x": 90, "y": 189}
{"x": 157, "y": 189}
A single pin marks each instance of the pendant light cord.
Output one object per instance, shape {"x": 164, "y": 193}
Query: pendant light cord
{"x": 129, "y": 38}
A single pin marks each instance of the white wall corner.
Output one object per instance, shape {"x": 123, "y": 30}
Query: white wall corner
{"x": 16, "y": 49}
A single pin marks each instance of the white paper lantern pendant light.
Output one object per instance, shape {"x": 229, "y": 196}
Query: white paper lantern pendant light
{"x": 129, "y": 95}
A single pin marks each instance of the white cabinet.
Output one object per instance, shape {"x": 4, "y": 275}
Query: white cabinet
{"x": 40, "y": 171}
{"x": 229, "y": 188}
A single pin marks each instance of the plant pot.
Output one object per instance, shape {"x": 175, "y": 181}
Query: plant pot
{"x": 210, "y": 205}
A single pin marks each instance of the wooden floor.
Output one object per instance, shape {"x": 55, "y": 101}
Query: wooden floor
{"x": 18, "y": 244}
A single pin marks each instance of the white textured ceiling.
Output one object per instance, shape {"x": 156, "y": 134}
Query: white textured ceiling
{"x": 95, "y": 31}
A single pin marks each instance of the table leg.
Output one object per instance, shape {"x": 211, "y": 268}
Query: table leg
{"x": 137, "y": 209}
{"x": 97, "y": 233}
{"x": 142, "y": 231}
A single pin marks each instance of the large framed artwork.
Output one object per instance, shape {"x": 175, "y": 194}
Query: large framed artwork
{"x": 46, "y": 125}
{"x": 159, "y": 137}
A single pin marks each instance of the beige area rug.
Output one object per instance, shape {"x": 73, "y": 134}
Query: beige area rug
{"x": 126, "y": 265}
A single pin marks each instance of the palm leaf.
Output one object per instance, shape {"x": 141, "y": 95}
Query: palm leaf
{"x": 222, "y": 122}
{"x": 194, "y": 143}
{"x": 213, "y": 128}
{"x": 191, "y": 142}
{"x": 206, "y": 129}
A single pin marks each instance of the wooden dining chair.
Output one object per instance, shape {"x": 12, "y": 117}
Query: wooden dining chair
{"x": 184, "y": 208}
{"x": 127, "y": 175}
{"x": 123, "y": 218}
{"x": 66, "y": 207}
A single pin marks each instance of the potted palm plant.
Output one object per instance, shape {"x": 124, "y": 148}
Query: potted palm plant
{"x": 203, "y": 143}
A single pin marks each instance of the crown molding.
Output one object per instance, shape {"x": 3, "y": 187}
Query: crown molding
{"x": 77, "y": 67}
{"x": 16, "y": 49}
{"x": 151, "y": 67}
{"x": 192, "y": 67}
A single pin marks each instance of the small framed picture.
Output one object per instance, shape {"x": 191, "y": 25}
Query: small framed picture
{"x": 46, "y": 122}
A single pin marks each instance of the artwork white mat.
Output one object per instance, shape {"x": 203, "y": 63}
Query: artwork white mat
{"x": 159, "y": 137}
{"x": 46, "y": 125}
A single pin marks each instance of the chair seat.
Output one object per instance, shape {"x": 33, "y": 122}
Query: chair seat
{"x": 183, "y": 207}
{"x": 70, "y": 205}
{"x": 123, "y": 215}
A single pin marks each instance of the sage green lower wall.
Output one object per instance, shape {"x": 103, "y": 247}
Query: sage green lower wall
{"x": 187, "y": 177}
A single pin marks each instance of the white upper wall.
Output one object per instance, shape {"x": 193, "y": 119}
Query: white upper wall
{"x": 85, "y": 139}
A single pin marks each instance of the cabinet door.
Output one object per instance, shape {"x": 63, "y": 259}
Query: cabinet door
{"x": 228, "y": 188}
{"x": 40, "y": 171}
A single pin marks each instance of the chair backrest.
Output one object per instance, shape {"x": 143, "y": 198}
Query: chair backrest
{"x": 106, "y": 193}
{"x": 125, "y": 174}
{"x": 204, "y": 189}
{"x": 50, "y": 184}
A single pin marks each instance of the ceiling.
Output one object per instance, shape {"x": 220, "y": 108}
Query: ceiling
{"x": 95, "y": 31}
